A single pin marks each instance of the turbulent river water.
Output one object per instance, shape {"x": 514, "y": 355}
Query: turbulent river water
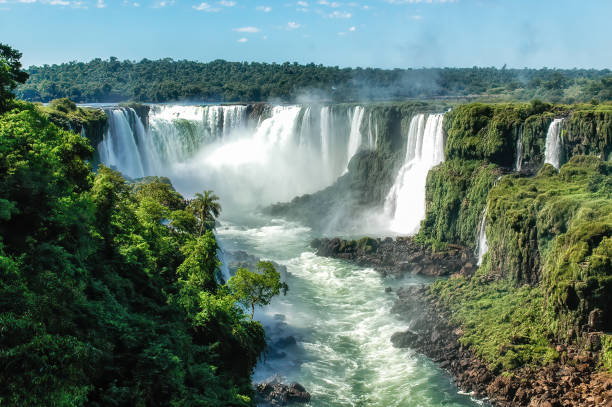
{"x": 339, "y": 315}
{"x": 332, "y": 330}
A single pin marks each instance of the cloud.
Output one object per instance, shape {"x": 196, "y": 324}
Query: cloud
{"x": 101, "y": 4}
{"x": 416, "y": 17}
{"x": 247, "y": 30}
{"x": 164, "y": 3}
{"x": 339, "y": 14}
{"x": 227, "y": 3}
{"x": 57, "y": 2}
{"x": 292, "y": 25}
{"x": 302, "y": 4}
{"x": 265, "y": 9}
{"x": 243, "y": 39}
{"x": 351, "y": 29}
{"x": 206, "y": 7}
{"x": 333, "y": 4}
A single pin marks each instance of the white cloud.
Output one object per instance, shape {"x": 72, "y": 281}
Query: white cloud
{"x": 351, "y": 29}
{"x": 243, "y": 39}
{"x": 101, "y": 4}
{"x": 205, "y": 7}
{"x": 22, "y": 1}
{"x": 164, "y": 3}
{"x": 302, "y": 4}
{"x": 227, "y": 3}
{"x": 135, "y": 4}
{"x": 265, "y": 9}
{"x": 247, "y": 30}
{"x": 58, "y": 2}
{"x": 292, "y": 25}
{"x": 333, "y": 4}
{"x": 339, "y": 14}
{"x": 416, "y": 17}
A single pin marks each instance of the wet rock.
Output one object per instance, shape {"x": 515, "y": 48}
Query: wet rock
{"x": 404, "y": 339}
{"x": 399, "y": 257}
{"x": 274, "y": 392}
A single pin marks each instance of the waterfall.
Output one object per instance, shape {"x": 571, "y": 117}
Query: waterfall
{"x": 293, "y": 151}
{"x": 483, "y": 246}
{"x": 405, "y": 202}
{"x": 552, "y": 153}
{"x": 355, "y": 138}
{"x": 118, "y": 148}
{"x": 518, "y": 163}
{"x": 372, "y": 133}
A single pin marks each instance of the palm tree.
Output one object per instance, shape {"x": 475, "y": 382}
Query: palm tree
{"x": 206, "y": 208}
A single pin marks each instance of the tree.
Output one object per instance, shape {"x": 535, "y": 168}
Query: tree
{"x": 257, "y": 288}
{"x": 206, "y": 208}
{"x": 10, "y": 74}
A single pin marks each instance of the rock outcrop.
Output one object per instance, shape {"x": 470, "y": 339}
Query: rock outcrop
{"x": 398, "y": 257}
{"x": 275, "y": 393}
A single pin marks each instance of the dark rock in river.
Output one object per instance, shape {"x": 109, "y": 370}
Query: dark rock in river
{"x": 398, "y": 257}
{"x": 275, "y": 393}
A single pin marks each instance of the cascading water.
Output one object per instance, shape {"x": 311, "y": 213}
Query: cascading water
{"x": 483, "y": 246}
{"x": 405, "y": 203}
{"x": 355, "y": 137}
{"x": 295, "y": 150}
{"x": 119, "y": 148}
{"x": 554, "y": 147}
{"x": 332, "y": 331}
{"x": 518, "y": 163}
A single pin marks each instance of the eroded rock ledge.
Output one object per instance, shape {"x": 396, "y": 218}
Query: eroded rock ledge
{"x": 574, "y": 381}
{"x": 400, "y": 256}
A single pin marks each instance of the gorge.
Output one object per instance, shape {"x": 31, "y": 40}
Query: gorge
{"x": 387, "y": 169}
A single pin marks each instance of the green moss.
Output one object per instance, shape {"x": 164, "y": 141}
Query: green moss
{"x": 456, "y": 193}
{"x": 503, "y": 324}
{"x": 65, "y": 114}
{"x": 606, "y": 353}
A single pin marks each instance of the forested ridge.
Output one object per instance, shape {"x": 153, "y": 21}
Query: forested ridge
{"x": 165, "y": 80}
{"x": 110, "y": 293}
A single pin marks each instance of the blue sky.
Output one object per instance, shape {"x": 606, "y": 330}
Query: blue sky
{"x": 377, "y": 33}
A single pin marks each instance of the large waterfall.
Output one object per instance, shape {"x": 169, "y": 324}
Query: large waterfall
{"x": 405, "y": 203}
{"x": 554, "y": 147}
{"x": 291, "y": 151}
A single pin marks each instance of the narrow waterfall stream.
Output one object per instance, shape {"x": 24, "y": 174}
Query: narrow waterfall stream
{"x": 554, "y": 147}
{"x": 332, "y": 331}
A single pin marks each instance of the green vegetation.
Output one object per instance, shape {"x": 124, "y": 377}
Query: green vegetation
{"x": 221, "y": 81}
{"x": 11, "y": 75}
{"x": 548, "y": 266}
{"x": 108, "y": 290}
{"x": 504, "y": 324}
{"x": 65, "y": 114}
{"x": 257, "y": 288}
{"x": 455, "y": 196}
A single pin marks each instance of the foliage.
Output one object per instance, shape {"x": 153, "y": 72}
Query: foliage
{"x": 455, "y": 196}
{"x": 107, "y": 294}
{"x": 11, "y": 75}
{"x": 206, "y": 208}
{"x": 65, "y": 114}
{"x": 503, "y": 324}
{"x": 257, "y": 288}
{"x": 164, "y": 80}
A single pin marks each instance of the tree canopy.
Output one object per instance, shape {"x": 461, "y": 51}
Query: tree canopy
{"x": 257, "y": 288}
{"x": 11, "y": 74}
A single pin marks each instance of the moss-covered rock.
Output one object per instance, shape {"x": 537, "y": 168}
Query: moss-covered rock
{"x": 456, "y": 194}
{"x": 67, "y": 115}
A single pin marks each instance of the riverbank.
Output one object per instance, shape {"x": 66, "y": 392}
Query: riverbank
{"x": 574, "y": 380}
{"x": 573, "y": 377}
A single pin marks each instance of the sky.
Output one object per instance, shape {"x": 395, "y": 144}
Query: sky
{"x": 351, "y": 33}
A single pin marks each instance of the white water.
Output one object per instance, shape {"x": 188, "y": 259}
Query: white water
{"x": 518, "y": 163}
{"x": 286, "y": 155}
{"x": 355, "y": 137}
{"x": 405, "y": 203}
{"x": 552, "y": 153}
{"x": 483, "y": 246}
{"x": 339, "y": 315}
